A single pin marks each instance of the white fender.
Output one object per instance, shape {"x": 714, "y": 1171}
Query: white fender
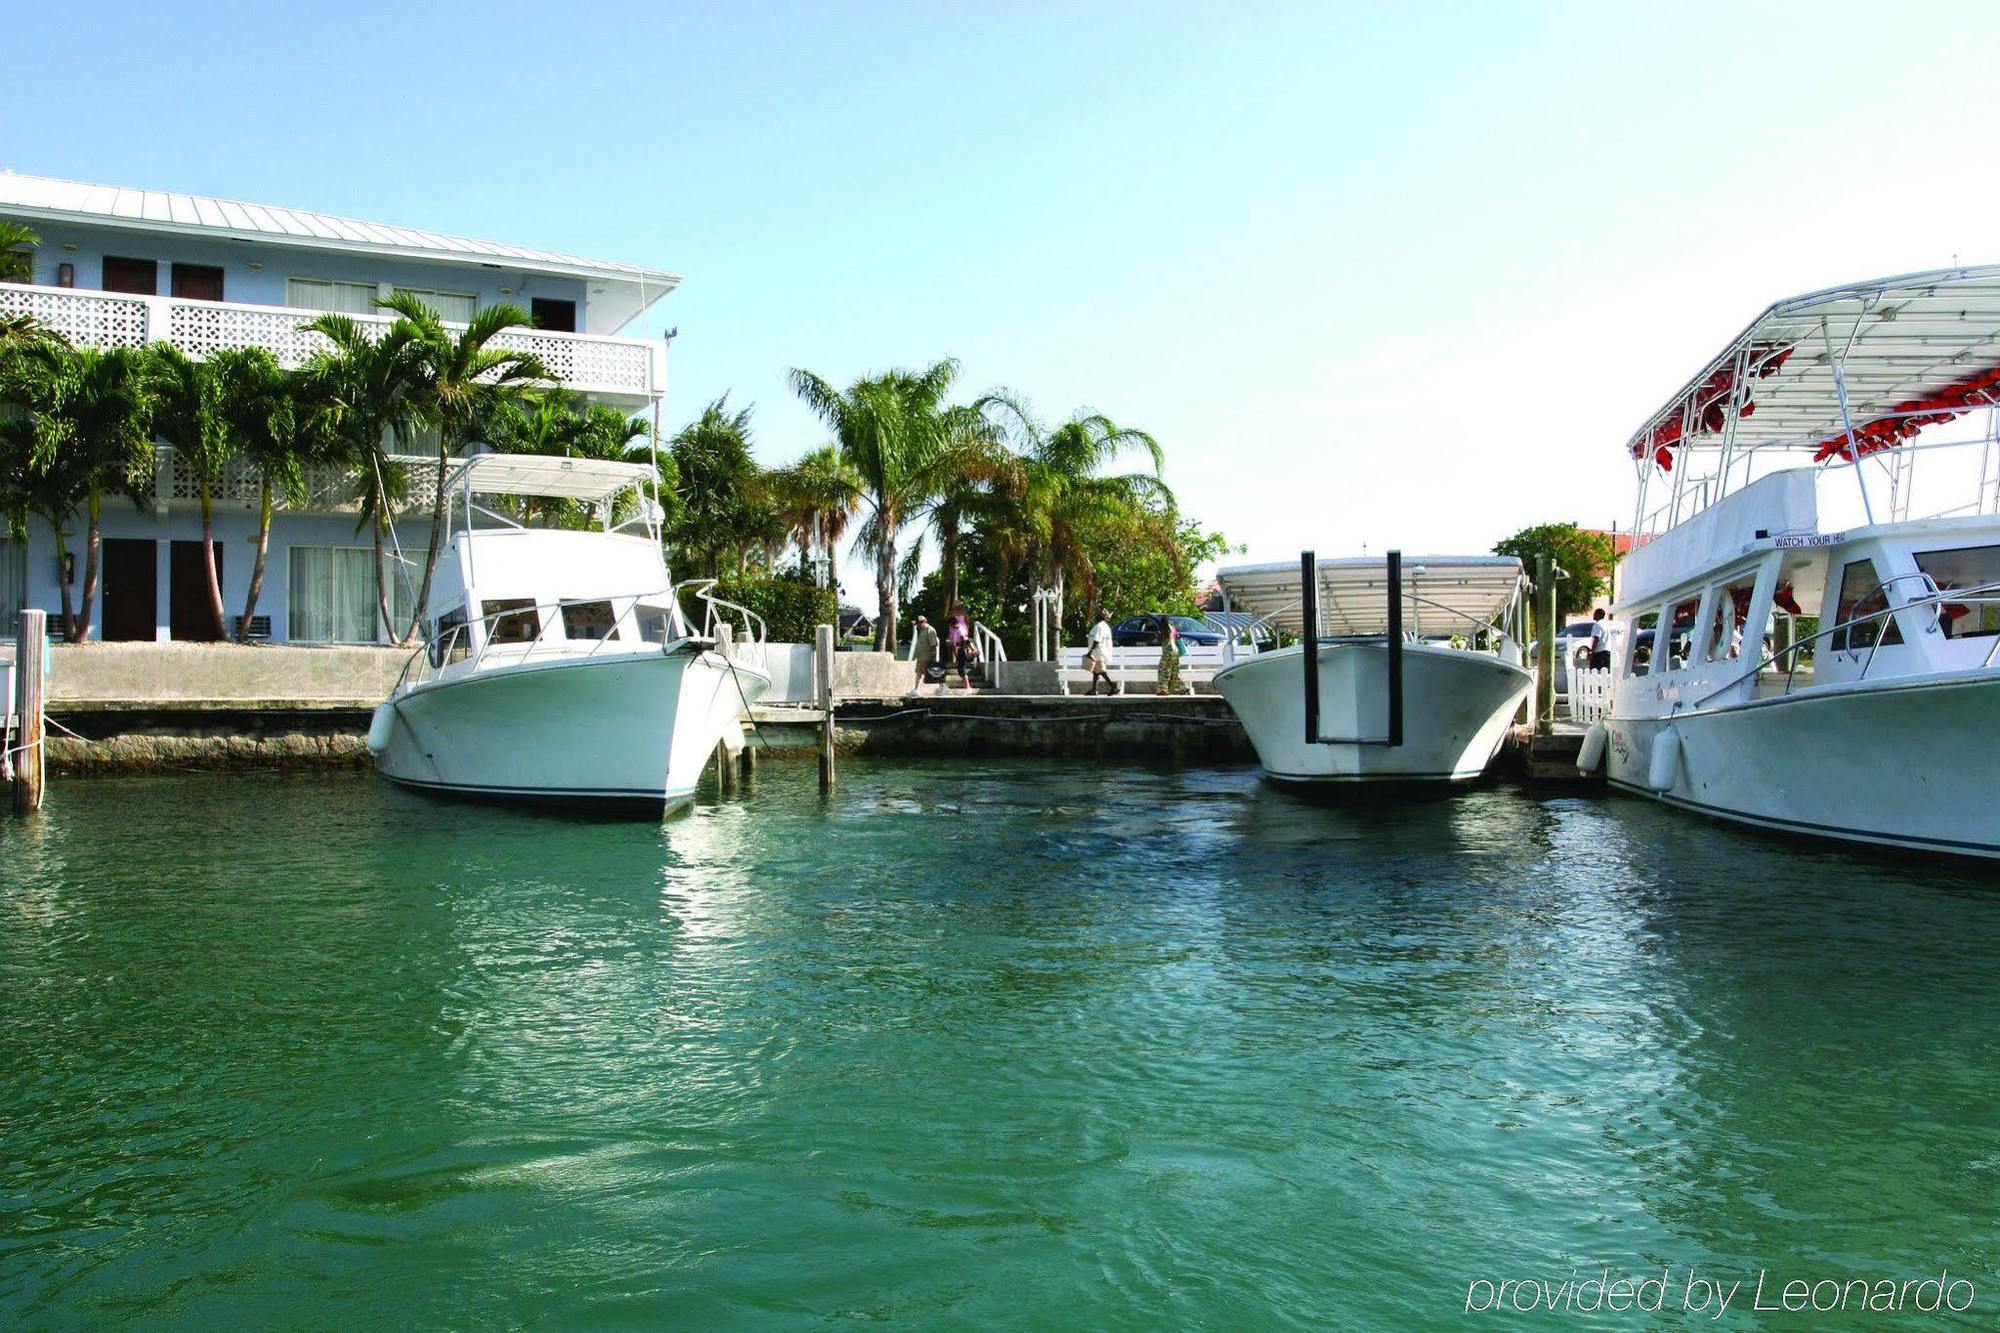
{"x": 1592, "y": 752}
{"x": 380, "y": 725}
{"x": 1665, "y": 767}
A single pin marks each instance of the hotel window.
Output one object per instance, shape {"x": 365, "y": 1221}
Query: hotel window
{"x": 1963, "y": 570}
{"x": 454, "y": 307}
{"x": 1861, "y": 595}
{"x": 343, "y": 298}
{"x": 331, "y": 596}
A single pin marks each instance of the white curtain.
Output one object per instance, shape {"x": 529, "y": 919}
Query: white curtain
{"x": 454, "y": 307}
{"x": 331, "y": 595}
{"x": 348, "y": 298}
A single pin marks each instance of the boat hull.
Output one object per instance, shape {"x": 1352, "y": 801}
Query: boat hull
{"x": 1456, "y": 709}
{"x": 1886, "y": 764}
{"x": 626, "y": 734}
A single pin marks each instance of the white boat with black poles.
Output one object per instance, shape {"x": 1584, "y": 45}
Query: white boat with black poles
{"x": 1407, "y": 671}
{"x": 1838, "y": 460}
{"x": 558, "y": 664}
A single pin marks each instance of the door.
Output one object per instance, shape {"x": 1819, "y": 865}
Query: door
{"x": 190, "y": 617}
{"x": 197, "y": 282}
{"x": 555, "y": 316}
{"x": 139, "y": 276}
{"x": 131, "y": 589}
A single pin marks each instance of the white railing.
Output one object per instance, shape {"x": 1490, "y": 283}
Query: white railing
{"x": 991, "y": 652}
{"x": 1141, "y": 666}
{"x": 1589, "y": 695}
{"x": 748, "y": 634}
{"x": 588, "y": 363}
{"x": 330, "y": 488}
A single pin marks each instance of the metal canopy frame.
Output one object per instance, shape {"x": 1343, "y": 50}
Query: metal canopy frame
{"x": 1442, "y": 594}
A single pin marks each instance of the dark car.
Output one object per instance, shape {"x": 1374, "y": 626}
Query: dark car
{"x": 1145, "y": 631}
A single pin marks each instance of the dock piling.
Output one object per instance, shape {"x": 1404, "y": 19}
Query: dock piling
{"x": 823, "y": 674}
{"x": 30, "y": 653}
{"x": 1545, "y": 642}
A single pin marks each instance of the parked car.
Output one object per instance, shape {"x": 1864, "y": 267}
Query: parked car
{"x": 1145, "y": 631}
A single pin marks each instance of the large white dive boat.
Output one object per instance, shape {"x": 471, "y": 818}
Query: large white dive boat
{"x": 558, "y": 664}
{"x": 1815, "y": 585}
{"x": 1409, "y": 670}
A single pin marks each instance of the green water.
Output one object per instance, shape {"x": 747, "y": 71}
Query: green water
{"x": 971, "y": 1044}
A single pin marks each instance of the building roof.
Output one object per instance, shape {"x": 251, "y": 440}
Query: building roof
{"x": 1442, "y": 594}
{"x": 52, "y": 199}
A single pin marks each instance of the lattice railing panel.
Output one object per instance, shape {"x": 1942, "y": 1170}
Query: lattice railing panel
{"x": 88, "y": 319}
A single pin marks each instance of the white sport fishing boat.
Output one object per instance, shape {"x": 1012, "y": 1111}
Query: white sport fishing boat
{"x": 1409, "y": 670}
{"x": 558, "y": 665}
{"x": 1838, "y": 460}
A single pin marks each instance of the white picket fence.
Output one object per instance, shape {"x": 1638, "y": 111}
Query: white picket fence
{"x": 1140, "y": 667}
{"x": 1589, "y": 695}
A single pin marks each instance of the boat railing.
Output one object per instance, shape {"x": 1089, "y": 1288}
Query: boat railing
{"x": 1986, "y": 594}
{"x": 749, "y": 635}
{"x": 453, "y": 646}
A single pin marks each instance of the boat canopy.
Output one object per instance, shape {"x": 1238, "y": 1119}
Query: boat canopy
{"x": 1442, "y": 594}
{"x": 591, "y": 480}
{"x": 1904, "y": 353}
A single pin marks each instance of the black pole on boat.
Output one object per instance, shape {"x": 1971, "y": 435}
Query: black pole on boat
{"x": 1309, "y": 639}
{"x": 1395, "y": 648}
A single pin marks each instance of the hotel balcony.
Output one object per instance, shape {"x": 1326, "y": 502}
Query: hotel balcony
{"x": 628, "y": 373}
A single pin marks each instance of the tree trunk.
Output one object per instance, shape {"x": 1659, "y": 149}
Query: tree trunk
{"x": 91, "y": 547}
{"x": 948, "y": 560}
{"x": 62, "y": 580}
{"x": 885, "y": 593}
{"x": 381, "y": 582}
{"x": 257, "y": 567}
{"x": 430, "y": 552}
{"x": 208, "y": 561}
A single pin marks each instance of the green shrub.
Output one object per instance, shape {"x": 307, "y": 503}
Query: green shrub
{"x": 792, "y": 610}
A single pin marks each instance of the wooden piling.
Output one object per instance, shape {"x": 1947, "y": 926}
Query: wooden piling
{"x": 823, "y": 673}
{"x": 30, "y": 652}
{"x": 1545, "y": 642}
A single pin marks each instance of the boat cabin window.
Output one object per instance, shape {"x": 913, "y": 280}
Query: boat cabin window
{"x": 1680, "y": 632}
{"x": 1644, "y": 630}
{"x": 656, "y": 623}
{"x": 1727, "y": 622}
{"x": 589, "y": 620}
{"x": 449, "y": 640}
{"x": 1861, "y": 594}
{"x": 1964, "y": 570}
{"x": 512, "y": 620}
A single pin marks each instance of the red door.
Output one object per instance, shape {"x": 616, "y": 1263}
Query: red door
{"x": 197, "y": 282}
{"x": 131, "y": 589}
{"x": 138, "y": 276}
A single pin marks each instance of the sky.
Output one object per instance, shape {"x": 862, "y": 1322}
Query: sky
{"x": 1374, "y": 275}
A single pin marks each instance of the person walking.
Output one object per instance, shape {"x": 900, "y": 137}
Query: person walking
{"x": 1170, "y": 657}
{"x": 923, "y": 651}
{"x": 1097, "y": 653}
{"x": 958, "y": 644}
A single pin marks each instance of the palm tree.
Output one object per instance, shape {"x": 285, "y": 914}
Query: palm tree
{"x": 816, "y": 499}
{"x": 714, "y": 475}
{"x": 892, "y": 430}
{"x": 80, "y": 427}
{"x": 1059, "y": 494}
{"x": 974, "y": 470}
{"x": 555, "y": 422}
{"x": 460, "y": 377}
{"x": 190, "y": 418}
{"x": 360, "y": 394}
{"x": 263, "y": 407}
{"x": 17, "y": 252}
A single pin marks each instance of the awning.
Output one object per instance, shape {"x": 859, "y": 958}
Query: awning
{"x": 1442, "y": 594}
{"x": 588, "y": 479}
{"x": 1913, "y": 351}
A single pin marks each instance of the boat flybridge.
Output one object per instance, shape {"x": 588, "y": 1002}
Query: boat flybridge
{"x": 558, "y": 664}
{"x": 1408, "y": 670}
{"x": 1814, "y": 588}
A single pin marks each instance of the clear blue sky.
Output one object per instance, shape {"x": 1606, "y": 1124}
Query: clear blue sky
{"x": 1382, "y": 274}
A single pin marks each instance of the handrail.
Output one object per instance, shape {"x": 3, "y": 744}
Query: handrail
{"x": 1966, "y": 596}
{"x": 990, "y": 647}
